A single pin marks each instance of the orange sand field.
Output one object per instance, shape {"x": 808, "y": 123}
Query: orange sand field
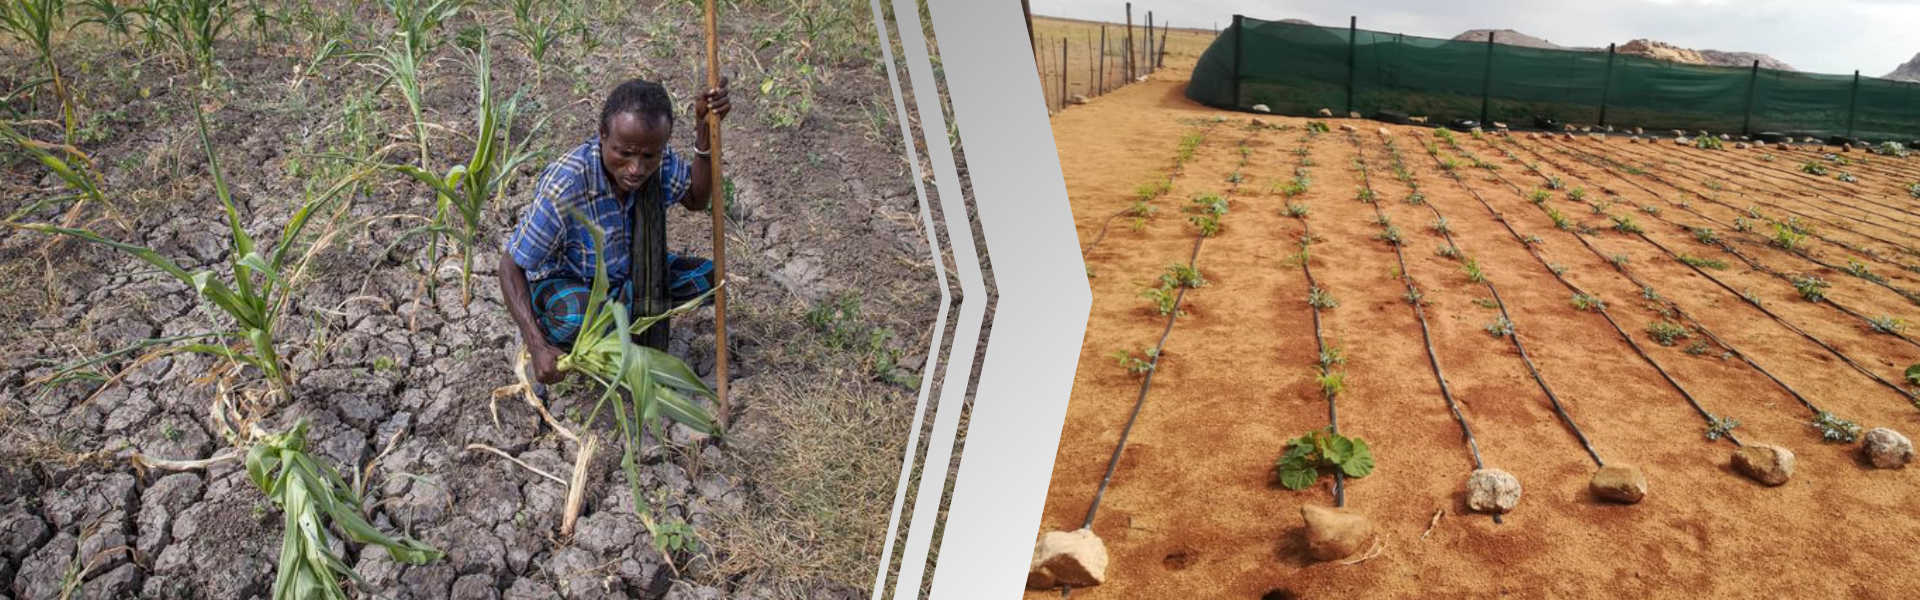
{"x": 1194, "y": 510}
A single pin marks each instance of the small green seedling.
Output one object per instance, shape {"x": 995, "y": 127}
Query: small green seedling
{"x": 1588, "y": 302}
{"x": 1719, "y": 427}
{"x": 1812, "y": 288}
{"x": 1666, "y": 333}
{"x": 1136, "y": 365}
{"x": 1835, "y": 429}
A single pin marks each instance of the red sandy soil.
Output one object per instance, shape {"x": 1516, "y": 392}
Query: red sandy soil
{"x": 1194, "y": 509}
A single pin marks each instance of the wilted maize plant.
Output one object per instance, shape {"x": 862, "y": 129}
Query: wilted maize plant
{"x": 316, "y": 501}
{"x": 465, "y": 189}
{"x": 257, "y": 287}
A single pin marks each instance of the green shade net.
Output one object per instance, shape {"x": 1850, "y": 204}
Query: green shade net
{"x": 1299, "y": 69}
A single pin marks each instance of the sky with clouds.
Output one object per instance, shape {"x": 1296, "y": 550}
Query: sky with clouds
{"x": 1828, "y": 36}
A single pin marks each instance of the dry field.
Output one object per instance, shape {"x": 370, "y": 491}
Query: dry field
{"x": 1084, "y": 73}
{"x": 1631, "y": 295}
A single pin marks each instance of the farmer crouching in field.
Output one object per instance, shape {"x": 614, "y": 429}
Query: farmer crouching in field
{"x": 622, "y": 180}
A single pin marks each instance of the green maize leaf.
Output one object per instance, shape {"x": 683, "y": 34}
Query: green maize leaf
{"x": 685, "y": 412}
{"x": 438, "y": 183}
{"x": 674, "y": 373}
{"x": 242, "y": 243}
{"x": 142, "y": 252}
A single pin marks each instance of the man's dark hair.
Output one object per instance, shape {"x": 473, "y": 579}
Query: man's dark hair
{"x": 639, "y": 97}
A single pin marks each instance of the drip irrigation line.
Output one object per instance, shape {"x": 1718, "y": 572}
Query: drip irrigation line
{"x": 1910, "y": 296}
{"x": 1723, "y": 285}
{"x": 1104, "y": 225}
{"x": 1904, "y": 247}
{"x": 1153, "y": 367}
{"x": 1320, "y": 341}
{"x": 1673, "y": 306}
{"x": 1756, "y": 265}
{"x": 1876, "y": 168}
{"x": 1531, "y": 250}
{"x": 1514, "y": 335}
{"x": 1426, "y": 336}
{"x": 1799, "y": 178}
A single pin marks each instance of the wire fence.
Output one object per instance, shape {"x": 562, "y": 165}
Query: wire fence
{"x": 1087, "y": 60}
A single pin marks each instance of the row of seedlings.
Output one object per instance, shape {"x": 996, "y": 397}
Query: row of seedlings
{"x": 1332, "y": 533}
{"x": 1790, "y": 239}
{"x": 1832, "y": 427}
{"x": 1796, "y": 220}
{"x": 1066, "y": 559}
{"x": 1416, "y": 302}
{"x": 1809, "y": 288}
{"x": 1617, "y": 482}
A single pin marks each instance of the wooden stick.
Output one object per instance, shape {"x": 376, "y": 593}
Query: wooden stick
{"x": 719, "y": 229}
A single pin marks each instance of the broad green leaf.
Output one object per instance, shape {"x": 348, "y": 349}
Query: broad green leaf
{"x": 1298, "y": 478}
{"x": 1360, "y": 462}
{"x": 1338, "y": 449}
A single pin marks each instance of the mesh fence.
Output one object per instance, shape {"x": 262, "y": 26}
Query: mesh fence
{"x": 1299, "y": 69}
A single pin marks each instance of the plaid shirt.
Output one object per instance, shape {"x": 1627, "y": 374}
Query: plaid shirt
{"x": 547, "y": 242}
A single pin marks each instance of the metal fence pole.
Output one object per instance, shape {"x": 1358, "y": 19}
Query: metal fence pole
{"x": 1149, "y": 48}
{"x": 1486, "y": 81}
{"x": 1353, "y": 32}
{"x": 1239, "y": 40}
{"x": 1753, "y": 79}
{"x": 1853, "y": 99}
{"x": 1063, "y": 73}
{"x": 1129, "y": 42}
{"x": 1160, "y": 60}
{"x": 1606, "y": 86}
{"x": 1103, "y": 59}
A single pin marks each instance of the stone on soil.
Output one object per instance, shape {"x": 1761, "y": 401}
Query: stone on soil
{"x": 1333, "y": 534}
{"x": 1765, "y": 463}
{"x": 1077, "y": 558}
{"x": 1619, "y": 483}
{"x": 1886, "y": 448}
{"x": 1261, "y": 108}
{"x": 1492, "y": 491}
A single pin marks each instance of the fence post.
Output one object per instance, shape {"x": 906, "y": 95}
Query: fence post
{"x": 1239, "y": 40}
{"x": 1103, "y": 59}
{"x": 1129, "y": 42}
{"x": 1753, "y": 79}
{"x": 1149, "y": 67}
{"x": 1353, "y": 32}
{"x": 1853, "y": 99}
{"x": 1606, "y": 86}
{"x": 1063, "y": 73}
{"x": 1090, "y": 92}
{"x": 1160, "y": 60}
{"x": 1486, "y": 81}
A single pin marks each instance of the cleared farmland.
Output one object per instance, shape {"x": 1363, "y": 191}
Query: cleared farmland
{"x": 1570, "y": 302}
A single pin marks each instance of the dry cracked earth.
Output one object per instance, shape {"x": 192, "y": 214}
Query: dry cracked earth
{"x": 395, "y": 384}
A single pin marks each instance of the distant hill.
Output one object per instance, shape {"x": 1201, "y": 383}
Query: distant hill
{"x": 1907, "y": 71}
{"x": 1641, "y": 47}
{"x": 1508, "y": 37}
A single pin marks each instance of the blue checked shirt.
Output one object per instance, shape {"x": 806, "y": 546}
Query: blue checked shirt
{"x": 549, "y": 243}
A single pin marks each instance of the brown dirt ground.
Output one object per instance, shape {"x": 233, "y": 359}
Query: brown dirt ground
{"x": 1193, "y": 510}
